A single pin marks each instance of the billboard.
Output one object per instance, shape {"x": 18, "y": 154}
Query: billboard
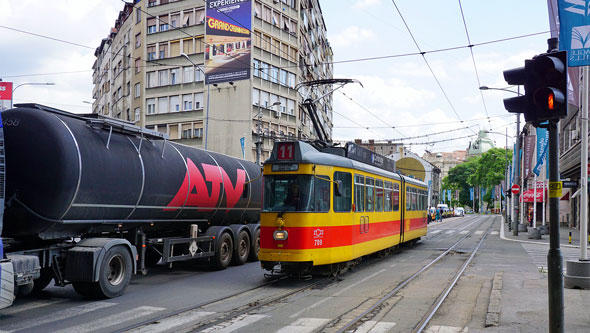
{"x": 229, "y": 43}
{"x": 5, "y": 91}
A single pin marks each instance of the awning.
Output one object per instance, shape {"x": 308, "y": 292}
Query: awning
{"x": 529, "y": 195}
{"x": 566, "y": 196}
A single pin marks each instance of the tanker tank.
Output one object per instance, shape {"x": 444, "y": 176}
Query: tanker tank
{"x": 69, "y": 174}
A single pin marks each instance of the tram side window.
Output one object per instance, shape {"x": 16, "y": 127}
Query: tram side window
{"x": 414, "y": 199}
{"x": 378, "y": 195}
{"x": 359, "y": 193}
{"x": 321, "y": 200}
{"x": 408, "y": 198}
{"x": 370, "y": 206}
{"x": 395, "y": 197}
{"x": 343, "y": 203}
{"x": 387, "y": 196}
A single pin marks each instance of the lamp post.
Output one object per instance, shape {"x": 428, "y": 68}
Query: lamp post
{"x": 29, "y": 84}
{"x": 259, "y": 130}
{"x": 517, "y": 166}
{"x": 208, "y": 90}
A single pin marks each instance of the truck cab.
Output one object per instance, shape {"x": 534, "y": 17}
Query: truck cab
{"x": 6, "y": 270}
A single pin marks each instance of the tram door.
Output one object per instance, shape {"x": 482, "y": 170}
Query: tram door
{"x": 361, "y": 203}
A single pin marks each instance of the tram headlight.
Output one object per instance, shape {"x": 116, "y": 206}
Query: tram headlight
{"x": 280, "y": 235}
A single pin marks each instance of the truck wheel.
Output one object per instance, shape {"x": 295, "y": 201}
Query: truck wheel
{"x": 43, "y": 281}
{"x": 242, "y": 250}
{"x": 255, "y": 246}
{"x": 223, "y": 251}
{"x": 113, "y": 278}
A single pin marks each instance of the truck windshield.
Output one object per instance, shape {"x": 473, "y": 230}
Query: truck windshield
{"x": 296, "y": 193}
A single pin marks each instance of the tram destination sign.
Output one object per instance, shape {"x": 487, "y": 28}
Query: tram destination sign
{"x": 364, "y": 155}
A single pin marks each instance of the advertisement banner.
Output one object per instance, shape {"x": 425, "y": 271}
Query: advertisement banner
{"x": 449, "y": 195}
{"x": 444, "y": 195}
{"x": 574, "y": 31}
{"x": 542, "y": 143}
{"x": 529, "y": 148}
{"x": 229, "y": 44}
{"x": 471, "y": 193}
{"x": 6, "y": 91}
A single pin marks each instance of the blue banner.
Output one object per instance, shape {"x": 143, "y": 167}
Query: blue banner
{"x": 449, "y": 195}
{"x": 444, "y": 195}
{"x": 574, "y": 31}
{"x": 542, "y": 143}
{"x": 242, "y": 143}
{"x": 471, "y": 193}
{"x": 493, "y": 192}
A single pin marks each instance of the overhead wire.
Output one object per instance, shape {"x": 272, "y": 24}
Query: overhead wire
{"x": 474, "y": 64}
{"x": 428, "y": 65}
{"x": 372, "y": 114}
{"x": 426, "y": 124}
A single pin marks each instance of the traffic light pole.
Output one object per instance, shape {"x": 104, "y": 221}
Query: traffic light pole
{"x": 554, "y": 257}
{"x": 516, "y": 176}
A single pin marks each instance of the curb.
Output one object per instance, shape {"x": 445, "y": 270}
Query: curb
{"x": 493, "y": 315}
{"x": 529, "y": 242}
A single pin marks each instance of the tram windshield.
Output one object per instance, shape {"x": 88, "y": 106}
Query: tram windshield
{"x": 296, "y": 193}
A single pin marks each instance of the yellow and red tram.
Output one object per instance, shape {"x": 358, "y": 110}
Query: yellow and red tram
{"x": 322, "y": 209}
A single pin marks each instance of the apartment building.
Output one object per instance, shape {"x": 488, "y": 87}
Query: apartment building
{"x": 150, "y": 71}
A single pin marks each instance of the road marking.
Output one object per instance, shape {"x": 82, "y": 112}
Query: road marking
{"x": 303, "y": 325}
{"x": 30, "y": 306}
{"x": 435, "y": 231}
{"x": 446, "y": 329}
{"x": 372, "y": 326}
{"x": 463, "y": 232}
{"x": 235, "y": 324}
{"x": 343, "y": 290}
{"x": 57, "y": 316}
{"x": 495, "y": 232}
{"x": 113, "y": 320}
{"x": 392, "y": 265}
{"x": 173, "y": 322}
{"x": 479, "y": 232}
{"x": 450, "y": 232}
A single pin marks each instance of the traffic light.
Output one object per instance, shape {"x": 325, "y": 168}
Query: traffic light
{"x": 545, "y": 84}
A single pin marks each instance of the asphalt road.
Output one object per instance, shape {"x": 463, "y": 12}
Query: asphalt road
{"x": 326, "y": 307}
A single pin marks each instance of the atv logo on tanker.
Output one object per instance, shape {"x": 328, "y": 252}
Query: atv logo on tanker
{"x": 194, "y": 192}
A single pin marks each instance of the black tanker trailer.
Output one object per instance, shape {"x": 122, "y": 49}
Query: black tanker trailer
{"x": 89, "y": 200}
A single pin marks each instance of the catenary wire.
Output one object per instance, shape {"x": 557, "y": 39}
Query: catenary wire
{"x": 474, "y": 64}
{"x": 426, "y": 124}
{"x": 372, "y": 114}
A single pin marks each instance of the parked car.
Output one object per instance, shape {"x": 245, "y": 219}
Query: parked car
{"x": 459, "y": 211}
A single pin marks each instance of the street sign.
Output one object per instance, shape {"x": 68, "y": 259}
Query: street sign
{"x": 515, "y": 189}
{"x": 570, "y": 183}
{"x": 555, "y": 189}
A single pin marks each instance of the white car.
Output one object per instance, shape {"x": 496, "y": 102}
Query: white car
{"x": 459, "y": 211}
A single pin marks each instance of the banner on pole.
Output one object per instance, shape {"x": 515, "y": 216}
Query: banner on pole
{"x": 529, "y": 148}
{"x": 471, "y": 193}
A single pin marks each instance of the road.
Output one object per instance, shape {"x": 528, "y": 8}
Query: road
{"x": 184, "y": 298}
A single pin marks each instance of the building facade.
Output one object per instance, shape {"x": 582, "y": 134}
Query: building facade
{"x": 142, "y": 75}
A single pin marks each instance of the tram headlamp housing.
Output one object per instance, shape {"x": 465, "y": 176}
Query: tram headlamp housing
{"x": 280, "y": 235}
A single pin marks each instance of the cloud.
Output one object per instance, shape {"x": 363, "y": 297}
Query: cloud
{"x": 352, "y": 35}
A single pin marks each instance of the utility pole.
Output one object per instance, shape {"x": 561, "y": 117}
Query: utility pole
{"x": 515, "y": 197}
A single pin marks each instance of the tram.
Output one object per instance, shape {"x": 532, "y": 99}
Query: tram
{"x": 324, "y": 209}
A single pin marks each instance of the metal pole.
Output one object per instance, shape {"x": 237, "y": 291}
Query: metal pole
{"x": 544, "y": 198}
{"x": 535, "y": 204}
{"x": 258, "y": 134}
{"x": 584, "y": 175}
{"x": 554, "y": 257}
{"x": 517, "y": 172}
{"x": 522, "y": 185}
{"x": 506, "y": 177}
{"x": 207, "y": 115}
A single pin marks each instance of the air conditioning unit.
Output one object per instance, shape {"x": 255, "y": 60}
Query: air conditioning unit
{"x": 277, "y": 114}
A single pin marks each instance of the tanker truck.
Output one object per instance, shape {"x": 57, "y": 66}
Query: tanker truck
{"x": 89, "y": 201}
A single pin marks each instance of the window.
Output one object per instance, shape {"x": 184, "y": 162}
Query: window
{"x": 257, "y": 9}
{"x": 187, "y": 102}
{"x": 200, "y": 16}
{"x": 255, "y": 96}
{"x": 174, "y": 20}
{"x": 343, "y": 203}
{"x": 174, "y": 49}
{"x": 387, "y": 197}
{"x": 188, "y": 18}
{"x": 264, "y": 70}
{"x": 283, "y": 77}
{"x": 174, "y": 103}
{"x": 291, "y": 107}
{"x": 119, "y": 92}
{"x": 138, "y": 40}
{"x": 264, "y": 97}
{"x": 163, "y": 51}
{"x": 137, "y": 90}
{"x": 256, "y": 67}
{"x": 137, "y": 15}
{"x": 164, "y": 23}
{"x": 359, "y": 193}
{"x": 300, "y": 193}
{"x": 136, "y": 114}
{"x": 378, "y": 195}
{"x": 152, "y": 80}
{"x": 291, "y": 80}
{"x": 174, "y": 75}
{"x": 163, "y": 78}
{"x": 187, "y": 74}
{"x": 198, "y": 101}
{"x": 187, "y": 46}
{"x": 151, "y": 52}
{"x": 395, "y": 197}
{"x": 151, "y": 25}
{"x": 186, "y": 134}
{"x": 199, "y": 76}
{"x": 370, "y": 202}
{"x": 274, "y": 74}
{"x": 151, "y": 105}
{"x": 137, "y": 65}
{"x": 163, "y": 105}
{"x": 283, "y": 105}
{"x": 198, "y": 132}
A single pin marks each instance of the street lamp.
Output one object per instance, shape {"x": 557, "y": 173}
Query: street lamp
{"x": 29, "y": 84}
{"x": 208, "y": 89}
{"x": 259, "y": 130}
{"x": 517, "y": 166}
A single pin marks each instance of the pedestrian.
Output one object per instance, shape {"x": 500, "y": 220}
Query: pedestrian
{"x": 438, "y": 217}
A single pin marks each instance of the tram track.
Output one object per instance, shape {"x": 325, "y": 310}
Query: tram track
{"x": 378, "y": 306}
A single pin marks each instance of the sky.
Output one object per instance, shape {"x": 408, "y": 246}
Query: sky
{"x": 416, "y": 94}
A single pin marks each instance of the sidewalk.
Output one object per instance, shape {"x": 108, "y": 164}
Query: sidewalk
{"x": 522, "y": 297}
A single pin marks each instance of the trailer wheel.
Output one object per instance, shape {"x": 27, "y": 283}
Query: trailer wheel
{"x": 242, "y": 250}
{"x": 255, "y": 246}
{"x": 43, "y": 281}
{"x": 223, "y": 251}
{"x": 114, "y": 276}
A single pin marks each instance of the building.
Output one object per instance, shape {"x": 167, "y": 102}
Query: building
{"x": 445, "y": 161}
{"x": 142, "y": 76}
{"x": 380, "y": 147}
{"x": 412, "y": 165}
{"x": 480, "y": 145}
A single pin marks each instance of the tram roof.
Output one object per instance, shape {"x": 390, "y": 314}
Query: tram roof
{"x": 306, "y": 153}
